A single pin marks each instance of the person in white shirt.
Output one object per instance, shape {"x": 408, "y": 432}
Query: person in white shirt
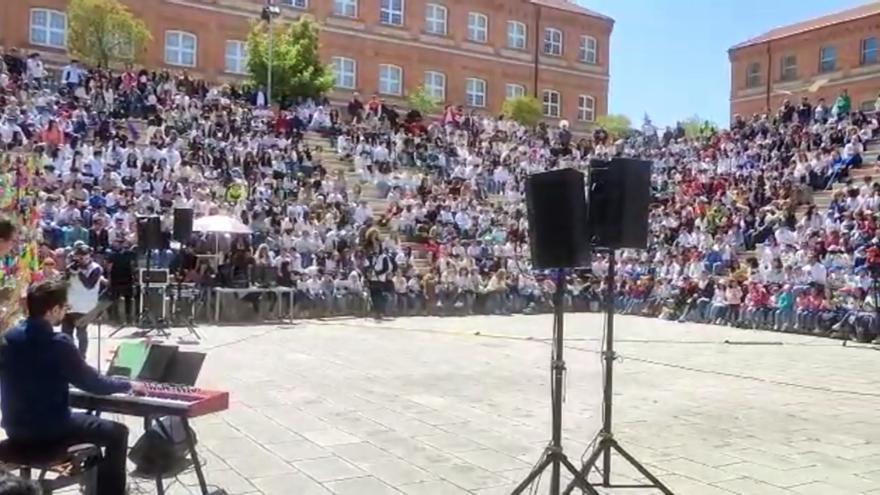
{"x": 72, "y": 75}
{"x": 36, "y": 72}
{"x": 84, "y": 276}
{"x": 815, "y": 272}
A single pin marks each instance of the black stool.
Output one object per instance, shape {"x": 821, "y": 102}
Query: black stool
{"x": 71, "y": 465}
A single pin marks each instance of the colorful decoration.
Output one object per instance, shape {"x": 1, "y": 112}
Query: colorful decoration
{"x": 18, "y": 201}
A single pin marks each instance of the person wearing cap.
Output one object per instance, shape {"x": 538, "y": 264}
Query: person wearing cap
{"x": 83, "y": 276}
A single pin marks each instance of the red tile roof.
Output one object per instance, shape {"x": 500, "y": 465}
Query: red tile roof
{"x": 571, "y": 6}
{"x": 815, "y": 23}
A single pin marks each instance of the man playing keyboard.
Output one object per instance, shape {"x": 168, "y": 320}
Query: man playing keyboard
{"x": 37, "y": 367}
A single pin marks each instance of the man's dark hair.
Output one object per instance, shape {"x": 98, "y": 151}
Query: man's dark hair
{"x": 7, "y": 229}
{"x": 13, "y": 485}
{"x": 44, "y": 296}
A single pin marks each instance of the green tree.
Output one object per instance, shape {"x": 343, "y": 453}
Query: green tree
{"x": 423, "y": 101}
{"x": 617, "y": 126}
{"x": 695, "y": 127}
{"x": 101, "y": 32}
{"x": 525, "y": 110}
{"x": 297, "y": 70}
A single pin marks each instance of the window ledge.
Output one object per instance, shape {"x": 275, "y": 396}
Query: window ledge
{"x": 346, "y": 22}
{"x": 553, "y": 60}
{"x": 515, "y": 53}
{"x": 438, "y": 39}
{"x": 477, "y": 47}
{"x": 595, "y": 68}
{"x": 392, "y": 30}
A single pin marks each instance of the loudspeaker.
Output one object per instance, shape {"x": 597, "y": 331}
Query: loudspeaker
{"x": 557, "y": 213}
{"x": 618, "y": 202}
{"x": 183, "y": 224}
{"x": 149, "y": 233}
{"x": 162, "y": 449}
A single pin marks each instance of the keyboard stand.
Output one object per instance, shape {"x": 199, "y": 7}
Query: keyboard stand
{"x": 193, "y": 455}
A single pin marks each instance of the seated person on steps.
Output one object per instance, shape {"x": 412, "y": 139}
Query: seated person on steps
{"x": 37, "y": 367}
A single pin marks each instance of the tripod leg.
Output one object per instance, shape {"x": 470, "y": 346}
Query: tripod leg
{"x": 606, "y": 467}
{"x": 640, "y": 468}
{"x": 579, "y": 479}
{"x": 532, "y": 476}
{"x": 589, "y": 464}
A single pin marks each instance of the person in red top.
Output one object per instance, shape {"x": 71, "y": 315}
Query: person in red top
{"x": 757, "y": 307}
{"x": 52, "y": 136}
{"x": 809, "y": 305}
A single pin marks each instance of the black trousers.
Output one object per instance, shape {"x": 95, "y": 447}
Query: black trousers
{"x": 379, "y": 296}
{"x": 110, "y": 436}
{"x": 126, "y": 293}
{"x": 82, "y": 332}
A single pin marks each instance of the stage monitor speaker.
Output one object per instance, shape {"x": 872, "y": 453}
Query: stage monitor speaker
{"x": 557, "y": 212}
{"x": 618, "y": 202}
{"x": 149, "y": 233}
{"x": 183, "y": 224}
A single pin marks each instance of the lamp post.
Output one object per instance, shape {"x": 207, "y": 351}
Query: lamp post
{"x": 270, "y": 11}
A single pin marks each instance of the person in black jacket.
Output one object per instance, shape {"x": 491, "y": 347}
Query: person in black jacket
{"x": 14, "y": 63}
{"x": 38, "y": 368}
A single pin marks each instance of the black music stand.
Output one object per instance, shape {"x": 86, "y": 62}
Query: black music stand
{"x": 96, "y": 315}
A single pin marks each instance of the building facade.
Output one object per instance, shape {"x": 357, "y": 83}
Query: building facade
{"x": 471, "y": 52}
{"x": 817, "y": 58}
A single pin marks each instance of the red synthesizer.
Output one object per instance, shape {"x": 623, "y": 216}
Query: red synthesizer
{"x": 158, "y": 399}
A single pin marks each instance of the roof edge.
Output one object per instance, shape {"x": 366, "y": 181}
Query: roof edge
{"x": 577, "y": 9}
{"x": 763, "y": 38}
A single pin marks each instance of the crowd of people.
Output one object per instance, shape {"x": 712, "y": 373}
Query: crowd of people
{"x": 732, "y": 238}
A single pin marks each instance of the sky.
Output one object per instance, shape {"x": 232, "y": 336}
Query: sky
{"x": 669, "y": 57}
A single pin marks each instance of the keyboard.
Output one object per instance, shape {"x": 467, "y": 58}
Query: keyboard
{"x": 159, "y": 399}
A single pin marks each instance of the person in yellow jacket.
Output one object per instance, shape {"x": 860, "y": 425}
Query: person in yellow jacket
{"x": 236, "y": 192}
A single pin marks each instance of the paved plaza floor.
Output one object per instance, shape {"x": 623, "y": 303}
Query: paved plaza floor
{"x": 448, "y": 406}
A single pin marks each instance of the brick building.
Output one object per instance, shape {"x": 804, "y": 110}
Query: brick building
{"x": 475, "y": 52}
{"x": 817, "y": 58}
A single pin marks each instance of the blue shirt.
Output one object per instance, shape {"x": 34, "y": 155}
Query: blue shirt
{"x": 37, "y": 367}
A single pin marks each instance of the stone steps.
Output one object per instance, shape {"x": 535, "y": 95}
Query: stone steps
{"x": 822, "y": 199}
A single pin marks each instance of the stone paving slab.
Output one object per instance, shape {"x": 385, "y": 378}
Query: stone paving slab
{"x": 448, "y": 406}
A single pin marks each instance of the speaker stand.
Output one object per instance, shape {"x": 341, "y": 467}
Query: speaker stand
{"x": 146, "y": 321}
{"x": 606, "y": 443}
{"x": 553, "y": 456}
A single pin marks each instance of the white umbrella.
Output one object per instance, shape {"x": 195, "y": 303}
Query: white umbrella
{"x": 220, "y": 224}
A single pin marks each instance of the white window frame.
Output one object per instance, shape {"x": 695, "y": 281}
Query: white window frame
{"x": 864, "y": 50}
{"x": 179, "y": 49}
{"x": 551, "y": 108}
{"x": 392, "y": 12}
{"x": 436, "y": 19}
{"x": 753, "y": 76}
{"x": 345, "y": 8}
{"x": 823, "y": 51}
{"x": 238, "y": 59}
{"x": 788, "y": 71}
{"x": 435, "y": 84}
{"x": 513, "y": 90}
{"x": 586, "y": 108}
{"x": 517, "y": 35}
{"x": 475, "y": 92}
{"x": 340, "y": 75}
{"x": 552, "y": 46}
{"x": 387, "y": 83}
{"x": 297, "y": 4}
{"x": 589, "y": 50}
{"x": 478, "y": 27}
{"x": 47, "y": 29}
